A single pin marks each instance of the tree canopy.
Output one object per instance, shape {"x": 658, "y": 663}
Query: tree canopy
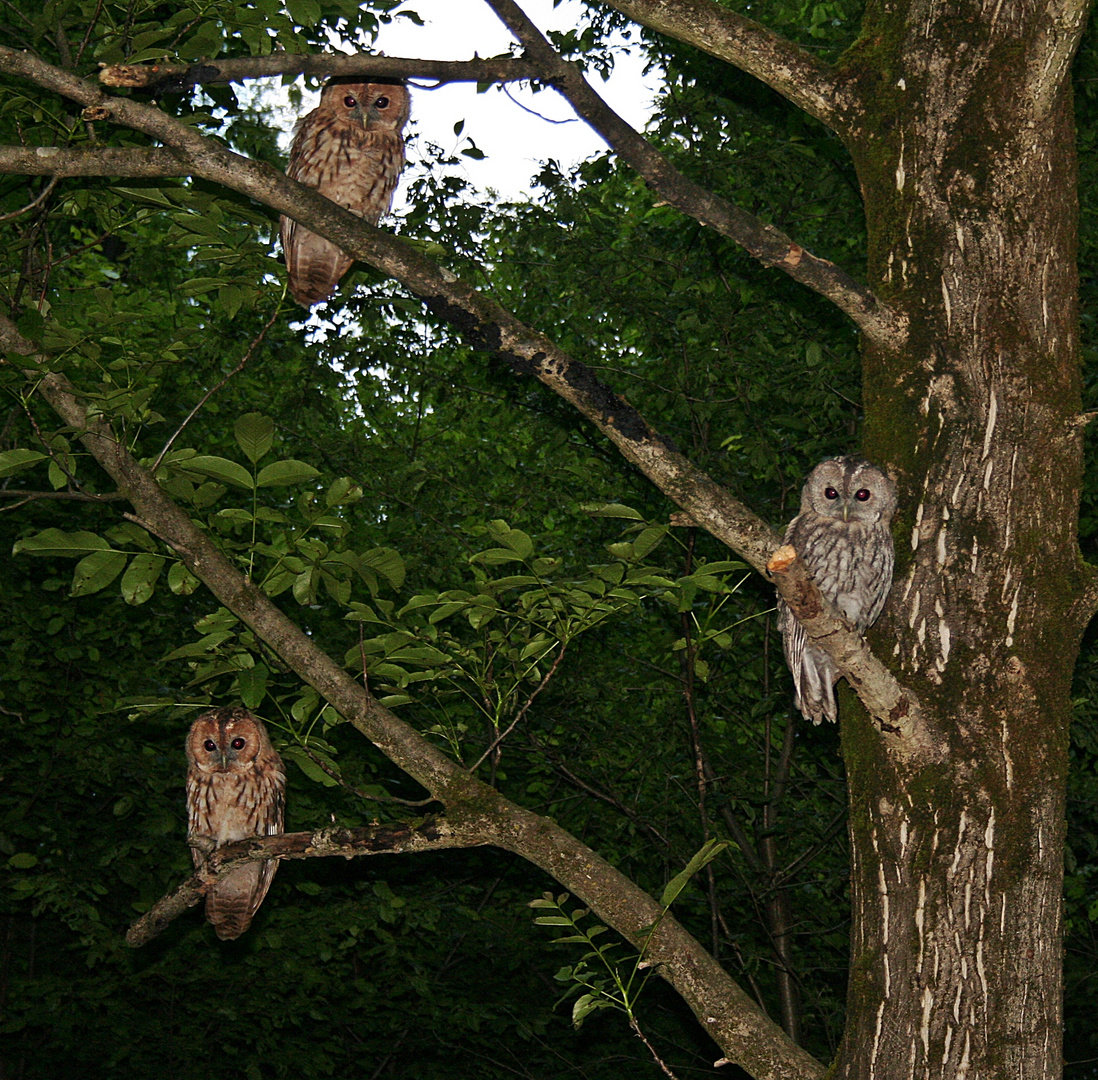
{"x": 484, "y": 542}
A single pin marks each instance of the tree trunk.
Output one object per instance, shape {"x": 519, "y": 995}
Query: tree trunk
{"x": 966, "y": 159}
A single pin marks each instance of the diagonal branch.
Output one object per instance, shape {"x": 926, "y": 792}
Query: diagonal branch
{"x": 485, "y": 323}
{"x": 431, "y": 834}
{"x": 796, "y": 74}
{"x": 767, "y": 244}
{"x": 744, "y": 1034}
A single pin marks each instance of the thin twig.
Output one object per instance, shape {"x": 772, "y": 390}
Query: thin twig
{"x": 214, "y": 389}
{"x": 521, "y": 713}
{"x": 321, "y": 764}
{"x": 533, "y": 112}
{"x": 45, "y": 194}
{"x": 651, "y": 1049}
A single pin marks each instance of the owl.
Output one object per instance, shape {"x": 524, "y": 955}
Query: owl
{"x": 843, "y": 536}
{"x": 350, "y": 148}
{"x": 235, "y": 789}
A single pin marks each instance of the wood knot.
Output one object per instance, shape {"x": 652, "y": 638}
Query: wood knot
{"x": 782, "y": 559}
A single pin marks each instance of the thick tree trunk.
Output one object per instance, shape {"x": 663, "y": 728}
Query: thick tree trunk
{"x": 967, "y": 164}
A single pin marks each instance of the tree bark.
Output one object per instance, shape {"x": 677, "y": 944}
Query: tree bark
{"x": 965, "y": 151}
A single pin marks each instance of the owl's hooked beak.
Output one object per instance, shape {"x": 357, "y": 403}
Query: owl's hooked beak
{"x": 846, "y": 510}
{"x": 221, "y": 760}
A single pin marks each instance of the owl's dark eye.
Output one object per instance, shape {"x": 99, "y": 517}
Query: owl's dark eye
{"x": 381, "y": 103}
{"x": 350, "y": 101}
{"x": 210, "y": 745}
{"x": 237, "y": 743}
{"x": 830, "y": 493}
{"x": 861, "y": 494}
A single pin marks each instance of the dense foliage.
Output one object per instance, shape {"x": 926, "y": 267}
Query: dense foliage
{"x": 471, "y": 549}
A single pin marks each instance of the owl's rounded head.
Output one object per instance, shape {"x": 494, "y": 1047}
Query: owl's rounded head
{"x": 373, "y": 105}
{"x": 849, "y": 488}
{"x": 225, "y": 740}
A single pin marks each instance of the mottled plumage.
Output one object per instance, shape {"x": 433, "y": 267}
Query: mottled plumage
{"x": 235, "y": 789}
{"x": 843, "y": 536}
{"x": 351, "y": 149}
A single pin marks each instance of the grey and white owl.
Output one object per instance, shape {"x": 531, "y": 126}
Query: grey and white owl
{"x": 235, "y": 789}
{"x": 844, "y": 538}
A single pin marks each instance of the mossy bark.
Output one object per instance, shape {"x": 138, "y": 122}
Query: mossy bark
{"x": 966, "y": 159}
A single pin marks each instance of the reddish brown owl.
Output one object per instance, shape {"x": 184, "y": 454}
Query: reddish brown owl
{"x": 235, "y": 789}
{"x": 350, "y": 148}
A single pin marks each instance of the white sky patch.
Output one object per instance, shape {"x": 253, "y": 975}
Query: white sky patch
{"x": 514, "y": 141}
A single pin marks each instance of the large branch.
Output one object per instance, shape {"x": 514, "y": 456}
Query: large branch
{"x": 431, "y": 834}
{"x": 486, "y": 324}
{"x": 767, "y": 244}
{"x": 98, "y": 161}
{"x": 173, "y": 78}
{"x": 750, "y": 46}
{"x": 744, "y": 1034}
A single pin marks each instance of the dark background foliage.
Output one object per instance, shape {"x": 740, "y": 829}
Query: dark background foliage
{"x": 430, "y": 966}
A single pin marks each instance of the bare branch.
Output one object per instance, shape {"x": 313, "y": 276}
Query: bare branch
{"x": 1050, "y": 64}
{"x": 174, "y": 78}
{"x": 42, "y": 196}
{"x": 429, "y": 835}
{"x": 767, "y": 244}
{"x": 743, "y": 1032}
{"x": 750, "y": 46}
{"x": 486, "y": 323}
{"x": 71, "y": 496}
{"x": 101, "y": 161}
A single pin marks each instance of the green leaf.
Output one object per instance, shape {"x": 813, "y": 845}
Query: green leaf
{"x": 496, "y": 556}
{"x": 309, "y": 767}
{"x": 611, "y": 510}
{"x": 304, "y": 12}
{"x": 252, "y": 683}
{"x": 23, "y": 860}
{"x": 56, "y": 542}
{"x": 181, "y": 581}
{"x": 96, "y": 571}
{"x": 13, "y": 461}
{"x": 140, "y": 578}
{"x": 284, "y": 473}
{"x": 515, "y": 539}
{"x": 702, "y": 857}
{"x": 584, "y": 1006}
{"x": 343, "y": 491}
{"x": 254, "y": 435}
{"x": 648, "y": 539}
{"x": 219, "y": 468}
{"x": 386, "y": 562}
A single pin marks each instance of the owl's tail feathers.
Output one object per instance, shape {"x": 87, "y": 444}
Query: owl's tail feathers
{"x": 232, "y": 902}
{"x": 814, "y": 679}
{"x": 315, "y": 265}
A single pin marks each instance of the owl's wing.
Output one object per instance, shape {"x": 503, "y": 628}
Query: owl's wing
{"x": 315, "y": 265}
{"x": 813, "y": 673}
{"x": 271, "y": 825}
